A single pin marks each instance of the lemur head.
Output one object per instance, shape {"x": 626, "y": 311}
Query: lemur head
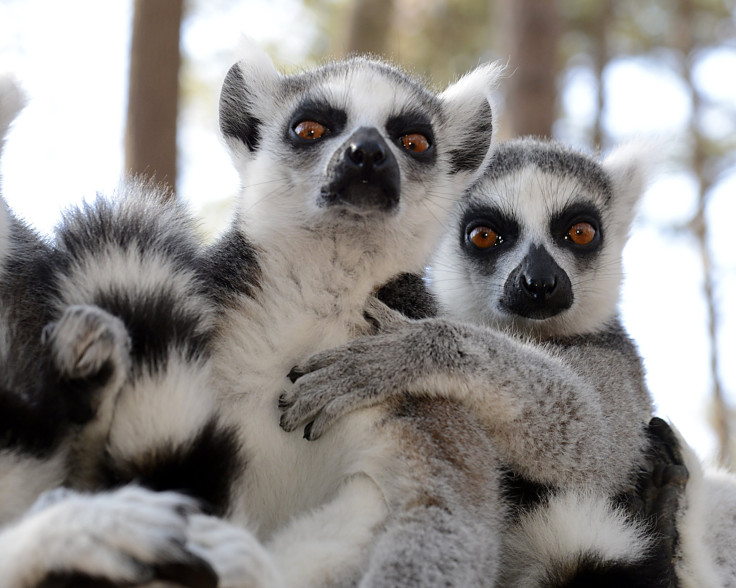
{"x": 354, "y": 151}
{"x": 536, "y": 243}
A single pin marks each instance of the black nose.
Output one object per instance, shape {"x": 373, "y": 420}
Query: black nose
{"x": 539, "y": 286}
{"x": 363, "y": 174}
{"x": 367, "y": 150}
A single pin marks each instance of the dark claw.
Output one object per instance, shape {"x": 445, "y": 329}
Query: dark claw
{"x": 294, "y": 374}
{"x": 308, "y": 430}
{"x": 282, "y": 403}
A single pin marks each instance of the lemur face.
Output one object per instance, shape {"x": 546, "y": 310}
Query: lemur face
{"x": 537, "y": 241}
{"x": 354, "y": 147}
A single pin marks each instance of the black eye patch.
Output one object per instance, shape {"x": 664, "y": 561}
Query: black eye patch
{"x": 582, "y": 212}
{"x": 333, "y": 119}
{"x": 409, "y": 123}
{"x": 487, "y": 216}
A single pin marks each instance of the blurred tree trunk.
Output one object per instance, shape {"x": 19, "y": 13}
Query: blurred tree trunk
{"x": 150, "y": 134}
{"x": 686, "y": 44}
{"x": 369, "y": 26}
{"x": 530, "y": 35}
{"x": 599, "y": 36}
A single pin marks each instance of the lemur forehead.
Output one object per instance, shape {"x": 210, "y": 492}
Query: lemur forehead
{"x": 552, "y": 160}
{"x": 362, "y": 85}
{"x": 532, "y": 197}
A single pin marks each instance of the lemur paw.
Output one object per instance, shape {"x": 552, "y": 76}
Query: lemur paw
{"x": 662, "y": 485}
{"x": 332, "y": 383}
{"x": 236, "y": 555}
{"x": 86, "y": 338}
{"x": 128, "y": 537}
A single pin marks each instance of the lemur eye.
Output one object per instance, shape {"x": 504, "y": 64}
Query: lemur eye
{"x": 310, "y": 130}
{"x": 581, "y": 233}
{"x": 484, "y": 237}
{"x": 415, "y": 142}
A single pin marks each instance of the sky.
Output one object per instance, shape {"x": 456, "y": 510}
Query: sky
{"x": 72, "y": 59}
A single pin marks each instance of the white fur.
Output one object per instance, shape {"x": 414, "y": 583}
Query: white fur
{"x": 162, "y": 408}
{"x": 12, "y": 101}
{"x": 238, "y": 558}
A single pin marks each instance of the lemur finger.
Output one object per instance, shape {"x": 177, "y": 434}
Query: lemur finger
{"x": 316, "y": 428}
{"x": 298, "y": 407}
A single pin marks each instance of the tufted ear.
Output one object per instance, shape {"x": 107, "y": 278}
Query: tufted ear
{"x": 469, "y": 127}
{"x": 12, "y": 101}
{"x": 631, "y": 167}
{"x": 248, "y": 88}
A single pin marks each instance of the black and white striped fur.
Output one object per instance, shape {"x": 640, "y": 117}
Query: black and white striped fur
{"x": 31, "y": 420}
{"x": 64, "y": 360}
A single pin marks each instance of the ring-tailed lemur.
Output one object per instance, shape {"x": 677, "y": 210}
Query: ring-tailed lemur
{"x": 694, "y": 533}
{"x": 348, "y": 172}
{"x": 535, "y": 254}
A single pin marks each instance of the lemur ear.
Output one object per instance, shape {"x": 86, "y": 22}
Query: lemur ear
{"x": 247, "y": 90}
{"x": 12, "y": 101}
{"x": 631, "y": 167}
{"x": 469, "y": 128}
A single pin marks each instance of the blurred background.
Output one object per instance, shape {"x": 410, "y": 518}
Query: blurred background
{"x": 132, "y": 85}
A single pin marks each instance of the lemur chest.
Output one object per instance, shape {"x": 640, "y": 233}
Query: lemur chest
{"x": 284, "y": 473}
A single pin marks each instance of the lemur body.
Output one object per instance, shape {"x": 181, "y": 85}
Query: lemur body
{"x": 63, "y": 362}
{"x": 347, "y": 172}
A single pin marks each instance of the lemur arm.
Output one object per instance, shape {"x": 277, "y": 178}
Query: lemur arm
{"x": 550, "y": 422}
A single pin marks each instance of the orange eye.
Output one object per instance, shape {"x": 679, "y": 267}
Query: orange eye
{"x": 581, "y": 233}
{"x": 415, "y": 142}
{"x": 310, "y": 130}
{"x": 484, "y": 237}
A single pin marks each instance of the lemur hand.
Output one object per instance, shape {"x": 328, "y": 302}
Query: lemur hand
{"x": 370, "y": 370}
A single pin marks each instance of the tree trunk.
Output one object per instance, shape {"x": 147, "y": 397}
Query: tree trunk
{"x": 530, "y": 34}
{"x": 369, "y": 26}
{"x": 150, "y": 134}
